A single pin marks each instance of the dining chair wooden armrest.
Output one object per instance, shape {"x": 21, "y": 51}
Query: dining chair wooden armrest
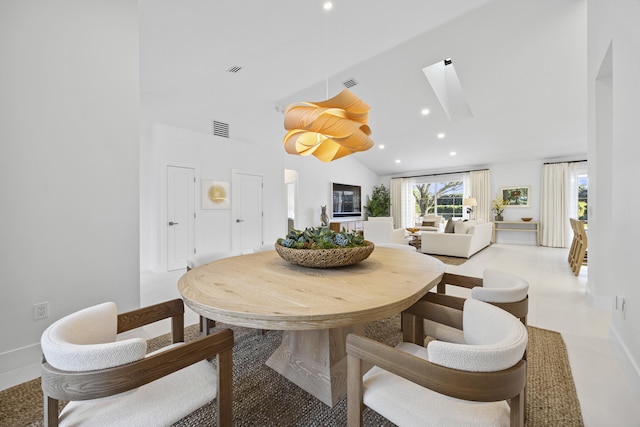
{"x": 457, "y": 303}
{"x": 106, "y": 382}
{"x": 467, "y": 385}
{"x": 457, "y": 280}
{"x": 173, "y": 309}
{"x": 440, "y": 313}
{"x": 66, "y": 385}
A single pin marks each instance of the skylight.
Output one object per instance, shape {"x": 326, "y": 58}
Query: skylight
{"x": 444, "y": 80}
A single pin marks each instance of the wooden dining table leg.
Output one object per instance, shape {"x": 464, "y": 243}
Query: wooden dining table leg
{"x": 316, "y": 361}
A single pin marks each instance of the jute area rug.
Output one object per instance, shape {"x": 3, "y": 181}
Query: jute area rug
{"x": 264, "y": 398}
{"x": 451, "y": 260}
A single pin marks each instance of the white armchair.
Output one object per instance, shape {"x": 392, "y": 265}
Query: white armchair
{"x": 380, "y": 230}
{"x": 431, "y": 223}
{"x": 479, "y": 382}
{"x": 499, "y": 288}
{"x": 110, "y": 382}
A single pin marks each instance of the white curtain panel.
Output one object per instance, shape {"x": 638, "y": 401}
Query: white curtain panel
{"x": 559, "y": 188}
{"x": 466, "y": 187}
{"x": 402, "y": 202}
{"x": 408, "y": 203}
{"x": 396, "y": 201}
{"x": 480, "y": 186}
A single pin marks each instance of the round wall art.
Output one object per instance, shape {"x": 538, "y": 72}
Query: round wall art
{"x": 215, "y": 194}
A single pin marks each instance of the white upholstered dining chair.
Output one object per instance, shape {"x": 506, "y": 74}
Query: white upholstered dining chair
{"x": 479, "y": 382}
{"x": 505, "y": 290}
{"x": 114, "y": 383}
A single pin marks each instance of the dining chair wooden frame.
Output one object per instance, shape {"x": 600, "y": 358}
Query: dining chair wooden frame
{"x": 519, "y": 309}
{"x": 578, "y": 250}
{"x": 508, "y": 384}
{"x": 67, "y": 386}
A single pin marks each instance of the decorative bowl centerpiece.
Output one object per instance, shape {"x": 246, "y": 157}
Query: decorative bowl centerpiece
{"x": 412, "y": 230}
{"x": 526, "y": 219}
{"x": 323, "y": 248}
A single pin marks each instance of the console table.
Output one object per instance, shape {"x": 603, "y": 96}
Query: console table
{"x": 530, "y": 226}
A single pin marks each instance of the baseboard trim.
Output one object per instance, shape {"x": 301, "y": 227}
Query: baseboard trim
{"x": 20, "y": 365}
{"x": 629, "y": 365}
{"x": 604, "y": 303}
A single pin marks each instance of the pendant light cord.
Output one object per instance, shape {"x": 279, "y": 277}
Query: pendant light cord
{"x": 326, "y": 54}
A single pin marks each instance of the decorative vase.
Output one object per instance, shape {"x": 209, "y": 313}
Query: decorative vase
{"x": 324, "y": 218}
{"x": 499, "y": 218}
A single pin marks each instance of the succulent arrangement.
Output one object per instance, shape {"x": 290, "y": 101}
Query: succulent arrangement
{"x": 322, "y": 238}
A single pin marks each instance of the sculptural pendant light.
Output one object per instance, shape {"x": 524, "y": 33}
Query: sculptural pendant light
{"x": 328, "y": 129}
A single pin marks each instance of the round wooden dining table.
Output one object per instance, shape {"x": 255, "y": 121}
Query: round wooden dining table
{"x": 316, "y": 308}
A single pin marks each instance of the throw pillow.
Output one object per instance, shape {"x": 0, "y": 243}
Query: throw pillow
{"x": 450, "y": 227}
{"x": 428, "y": 223}
{"x": 462, "y": 227}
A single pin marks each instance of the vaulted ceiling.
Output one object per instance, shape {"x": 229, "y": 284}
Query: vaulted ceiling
{"x": 521, "y": 64}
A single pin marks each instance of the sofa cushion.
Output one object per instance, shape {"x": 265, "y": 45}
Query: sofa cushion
{"x": 462, "y": 227}
{"x": 450, "y": 227}
{"x": 428, "y": 223}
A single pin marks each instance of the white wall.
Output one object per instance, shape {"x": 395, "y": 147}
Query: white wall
{"x": 614, "y": 103}
{"x": 69, "y": 159}
{"x": 516, "y": 174}
{"x": 314, "y": 179}
{"x": 213, "y": 158}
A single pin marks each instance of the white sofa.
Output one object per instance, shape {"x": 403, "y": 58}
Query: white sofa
{"x": 380, "y": 230}
{"x": 468, "y": 238}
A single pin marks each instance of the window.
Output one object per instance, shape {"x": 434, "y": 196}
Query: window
{"x": 442, "y": 198}
{"x": 583, "y": 202}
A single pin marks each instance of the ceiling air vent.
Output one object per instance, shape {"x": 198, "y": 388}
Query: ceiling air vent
{"x": 234, "y": 69}
{"x": 220, "y": 129}
{"x": 349, "y": 83}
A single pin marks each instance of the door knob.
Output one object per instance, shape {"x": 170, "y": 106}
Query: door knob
{"x": 173, "y": 223}
{"x": 239, "y": 220}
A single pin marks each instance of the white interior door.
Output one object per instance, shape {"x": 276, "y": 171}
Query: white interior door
{"x": 247, "y": 211}
{"x": 180, "y": 216}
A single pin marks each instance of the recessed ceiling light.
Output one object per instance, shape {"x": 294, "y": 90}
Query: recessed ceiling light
{"x": 381, "y": 146}
{"x": 425, "y": 112}
{"x": 453, "y": 153}
{"x": 441, "y": 135}
{"x": 327, "y": 5}
{"x": 397, "y": 160}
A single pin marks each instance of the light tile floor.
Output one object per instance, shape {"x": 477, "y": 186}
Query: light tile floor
{"x": 557, "y": 301}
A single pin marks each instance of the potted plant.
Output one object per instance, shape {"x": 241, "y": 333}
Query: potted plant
{"x": 379, "y": 202}
{"x": 498, "y": 207}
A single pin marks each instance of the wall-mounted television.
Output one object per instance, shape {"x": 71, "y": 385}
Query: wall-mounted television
{"x": 346, "y": 200}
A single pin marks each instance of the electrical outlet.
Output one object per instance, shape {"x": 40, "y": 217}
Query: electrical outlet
{"x": 40, "y": 311}
{"x": 621, "y": 303}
